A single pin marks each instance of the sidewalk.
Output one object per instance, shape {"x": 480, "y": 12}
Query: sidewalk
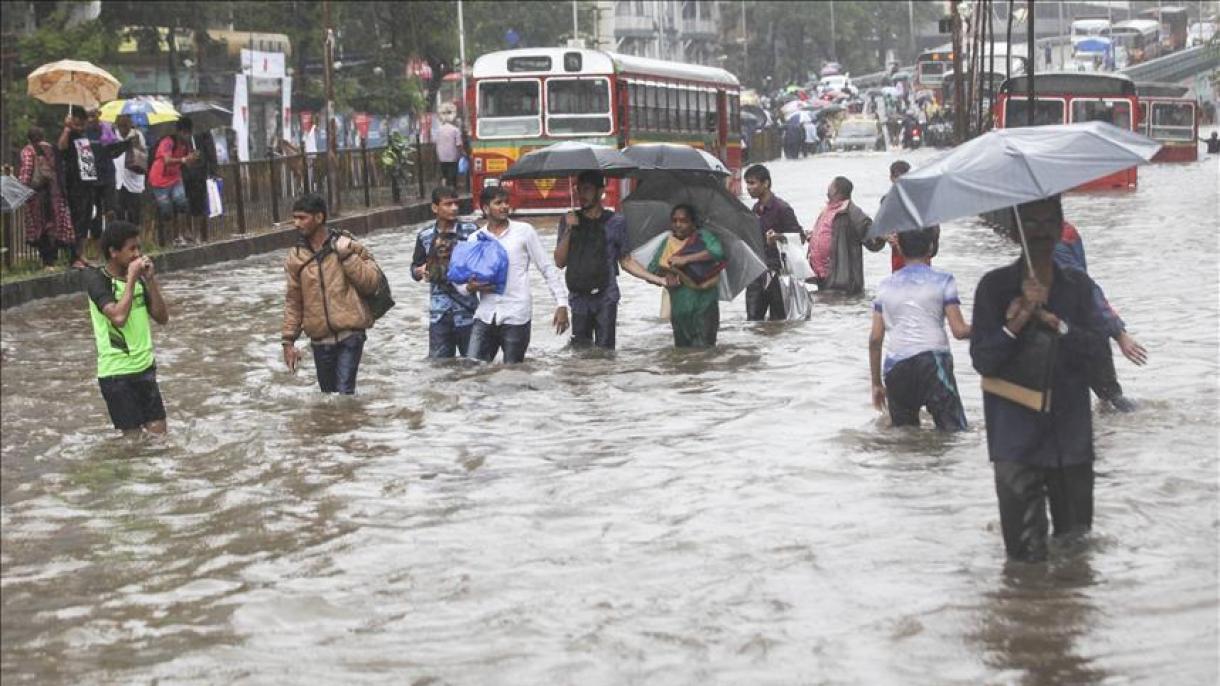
{"x": 279, "y": 237}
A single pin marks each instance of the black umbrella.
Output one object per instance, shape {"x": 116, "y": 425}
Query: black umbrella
{"x": 205, "y": 116}
{"x": 570, "y": 158}
{"x": 671, "y": 157}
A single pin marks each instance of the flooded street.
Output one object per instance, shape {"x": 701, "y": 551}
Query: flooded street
{"x": 736, "y": 516}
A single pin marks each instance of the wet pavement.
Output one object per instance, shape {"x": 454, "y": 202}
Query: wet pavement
{"x": 739, "y": 515}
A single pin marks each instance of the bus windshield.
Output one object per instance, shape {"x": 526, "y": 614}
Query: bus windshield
{"x": 578, "y": 106}
{"x": 509, "y": 108}
{"x": 932, "y": 72}
{"x": 1046, "y": 112}
{"x": 1116, "y": 112}
{"x": 1173, "y": 121}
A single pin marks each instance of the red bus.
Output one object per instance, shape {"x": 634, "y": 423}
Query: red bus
{"x": 529, "y": 98}
{"x": 1064, "y": 98}
{"x": 1171, "y": 119}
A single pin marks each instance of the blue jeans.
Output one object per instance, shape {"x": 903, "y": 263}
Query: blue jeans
{"x": 337, "y": 363}
{"x": 593, "y": 321}
{"x": 445, "y": 339}
{"x": 170, "y": 200}
{"x": 488, "y": 339}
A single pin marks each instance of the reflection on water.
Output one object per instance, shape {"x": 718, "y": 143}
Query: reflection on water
{"x": 735, "y": 515}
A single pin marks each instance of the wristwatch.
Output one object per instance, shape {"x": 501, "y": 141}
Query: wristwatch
{"x": 1063, "y": 328}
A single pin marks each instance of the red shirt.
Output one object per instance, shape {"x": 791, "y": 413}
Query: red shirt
{"x": 164, "y": 174}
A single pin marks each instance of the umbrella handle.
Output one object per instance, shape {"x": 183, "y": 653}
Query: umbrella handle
{"x": 1025, "y": 246}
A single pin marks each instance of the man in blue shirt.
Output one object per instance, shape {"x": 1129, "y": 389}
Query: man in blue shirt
{"x": 912, "y": 306}
{"x": 1039, "y": 455}
{"x": 450, "y": 309}
{"x": 590, "y": 247}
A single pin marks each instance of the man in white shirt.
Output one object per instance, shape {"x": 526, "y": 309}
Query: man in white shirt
{"x": 448, "y": 151}
{"x": 129, "y": 179}
{"x": 502, "y": 321}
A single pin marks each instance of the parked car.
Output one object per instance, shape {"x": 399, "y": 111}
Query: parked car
{"x": 859, "y": 133}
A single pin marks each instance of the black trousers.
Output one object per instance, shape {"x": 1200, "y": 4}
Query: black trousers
{"x": 1024, "y": 492}
{"x": 762, "y": 298}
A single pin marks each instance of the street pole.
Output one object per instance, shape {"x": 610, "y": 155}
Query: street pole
{"x": 959, "y": 110}
{"x": 1030, "y": 66}
{"x": 575, "y": 25}
{"x": 332, "y": 161}
{"x": 911, "y": 20}
{"x": 834, "y": 53}
{"x": 1008, "y": 44}
{"x": 462, "y": 58}
{"x": 746, "y": 43}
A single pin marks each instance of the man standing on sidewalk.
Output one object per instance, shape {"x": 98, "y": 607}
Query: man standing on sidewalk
{"x": 775, "y": 217}
{"x": 450, "y": 308}
{"x": 327, "y": 274}
{"x": 123, "y": 296}
{"x": 591, "y": 246}
{"x": 449, "y": 151}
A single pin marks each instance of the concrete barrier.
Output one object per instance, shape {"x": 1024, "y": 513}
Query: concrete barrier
{"x": 282, "y": 237}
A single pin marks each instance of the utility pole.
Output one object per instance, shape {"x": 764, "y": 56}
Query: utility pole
{"x": 462, "y": 59}
{"x": 746, "y": 43}
{"x": 332, "y": 158}
{"x": 575, "y": 24}
{"x": 834, "y": 53}
{"x": 1008, "y": 45}
{"x": 959, "y": 110}
{"x": 1030, "y": 62}
{"x": 911, "y": 21}
{"x": 1060, "y": 34}
{"x": 174, "y": 88}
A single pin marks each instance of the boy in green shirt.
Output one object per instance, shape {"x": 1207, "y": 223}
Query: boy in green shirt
{"x": 123, "y": 295}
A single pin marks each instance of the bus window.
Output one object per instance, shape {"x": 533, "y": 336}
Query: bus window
{"x": 711, "y": 119}
{"x": 635, "y": 105}
{"x": 1173, "y": 121}
{"x": 691, "y": 109}
{"x": 578, "y": 106}
{"x": 1143, "y": 126}
{"x": 509, "y": 108}
{"x": 663, "y": 107}
{"x": 1047, "y": 111}
{"x": 675, "y": 109}
{"x": 651, "y": 118}
{"x": 1116, "y": 112}
{"x": 931, "y": 73}
{"x": 734, "y": 115}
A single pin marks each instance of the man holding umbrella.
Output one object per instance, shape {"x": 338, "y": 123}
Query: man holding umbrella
{"x": 590, "y": 247}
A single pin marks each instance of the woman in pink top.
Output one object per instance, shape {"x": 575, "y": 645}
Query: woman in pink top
{"x": 165, "y": 178}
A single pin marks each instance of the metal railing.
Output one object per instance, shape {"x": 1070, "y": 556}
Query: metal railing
{"x": 258, "y": 195}
{"x": 1176, "y": 65}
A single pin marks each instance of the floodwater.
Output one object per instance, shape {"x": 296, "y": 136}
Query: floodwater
{"x": 738, "y": 516}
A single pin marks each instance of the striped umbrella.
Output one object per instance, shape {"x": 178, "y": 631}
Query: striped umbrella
{"x": 144, "y": 112}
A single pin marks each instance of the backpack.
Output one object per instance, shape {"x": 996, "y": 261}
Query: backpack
{"x": 380, "y": 300}
{"x": 44, "y": 169}
{"x": 588, "y": 270}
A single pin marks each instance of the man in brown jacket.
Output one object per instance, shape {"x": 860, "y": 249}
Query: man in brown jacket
{"x": 836, "y": 239}
{"x": 327, "y": 274}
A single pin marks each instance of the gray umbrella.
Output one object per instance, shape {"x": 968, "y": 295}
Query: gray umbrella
{"x": 14, "y": 193}
{"x": 1005, "y": 168}
{"x": 570, "y": 158}
{"x": 647, "y": 211}
{"x": 1008, "y": 167}
{"x": 672, "y": 157}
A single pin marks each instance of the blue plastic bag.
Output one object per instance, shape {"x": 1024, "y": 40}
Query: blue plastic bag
{"x": 463, "y": 166}
{"x": 483, "y": 260}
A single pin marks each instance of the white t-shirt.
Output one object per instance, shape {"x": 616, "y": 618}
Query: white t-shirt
{"x": 912, "y": 302}
{"x": 124, "y": 178}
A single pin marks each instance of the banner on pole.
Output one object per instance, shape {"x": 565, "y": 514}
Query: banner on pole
{"x": 286, "y": 110}
{"x": 241, "y": 118}
{"x": 262, "y": 65}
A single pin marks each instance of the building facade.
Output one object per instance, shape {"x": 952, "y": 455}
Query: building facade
{"x": 677, "y": 30}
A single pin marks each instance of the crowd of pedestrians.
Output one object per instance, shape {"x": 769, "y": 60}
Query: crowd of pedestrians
{"x": 1040, "y": 455}
{"x": 95, "y": 172}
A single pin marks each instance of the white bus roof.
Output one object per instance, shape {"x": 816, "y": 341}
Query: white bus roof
{"x": 1090, "y": 23}
{"x": 1139, "y": 24}
{"x": 495, "y": 64}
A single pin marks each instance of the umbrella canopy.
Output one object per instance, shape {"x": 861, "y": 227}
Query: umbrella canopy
{"x": 570, "y": 158}
{"x": 1098, "y": 44}
{"x": 144, "y": 112}
{"x": 924, "y": 95}
{"x": 900, "y": 76}
{"x": 830, "y": 109}
{"x": 647, "y": 211}
{"x": 70, "y": 82}
{"x": 1008, "y": 167}
{"x": 831, "y": 69}
{"x": 206, "y": 116}
{"x": 671, "y": 157}
{"x": 800, "y": 117}
{"x": 14, "y": 193}
{"x": 788, "y": 108}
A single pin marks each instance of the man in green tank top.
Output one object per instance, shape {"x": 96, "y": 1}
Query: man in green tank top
{"x": 123, "y": 295}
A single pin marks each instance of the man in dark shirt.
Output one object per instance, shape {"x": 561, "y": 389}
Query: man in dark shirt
{"x": 85, "y": 165}
{"x": 775, "y": 217}
{"x": 1039, "y": 455}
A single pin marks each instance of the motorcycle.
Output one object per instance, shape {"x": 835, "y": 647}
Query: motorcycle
{"x": 912, "y": 134}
